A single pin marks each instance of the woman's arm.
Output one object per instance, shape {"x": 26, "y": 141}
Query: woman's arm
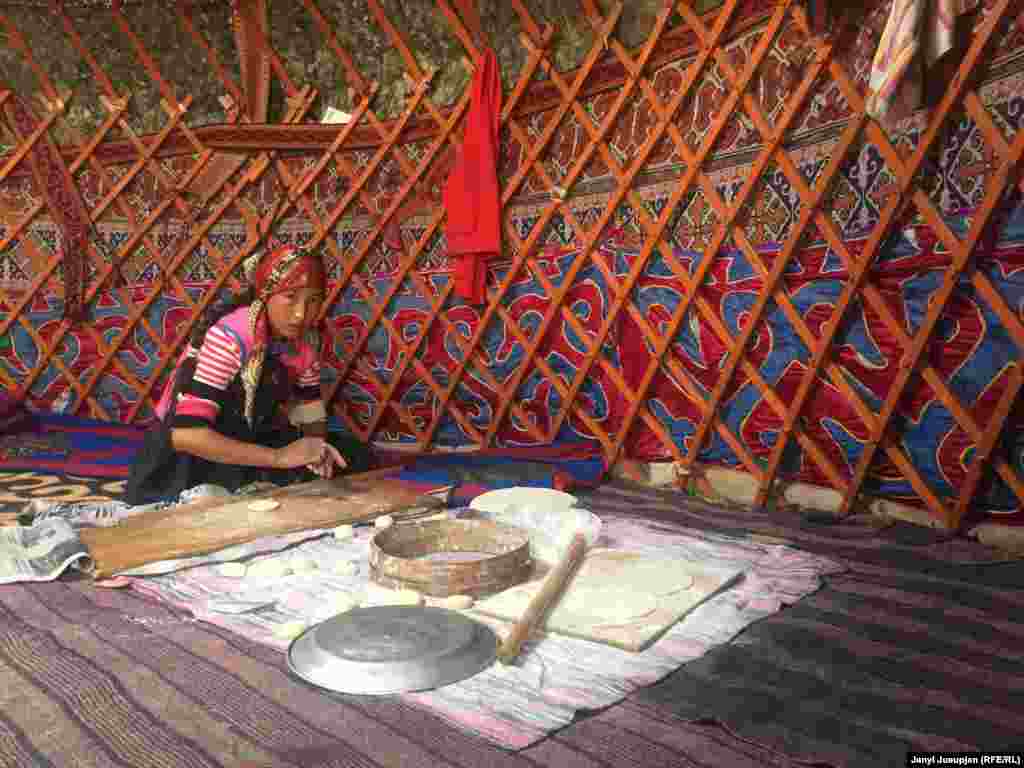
{"x": 209, "y": 444}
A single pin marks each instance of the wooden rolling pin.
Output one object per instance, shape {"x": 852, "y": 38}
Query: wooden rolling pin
{"x": 550, "y": 591}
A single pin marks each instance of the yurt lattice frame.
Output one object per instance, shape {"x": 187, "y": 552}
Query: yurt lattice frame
{"x": 205, "y": 175}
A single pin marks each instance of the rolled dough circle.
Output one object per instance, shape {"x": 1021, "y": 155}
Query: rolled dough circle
{"x": 264, "y": 505}
{"x": 660, "y": 577}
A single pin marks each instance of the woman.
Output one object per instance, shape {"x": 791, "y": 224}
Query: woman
{"x": 221, "y": 419}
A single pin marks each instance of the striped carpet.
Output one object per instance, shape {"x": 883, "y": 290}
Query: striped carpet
{"x": 916, "y": 646}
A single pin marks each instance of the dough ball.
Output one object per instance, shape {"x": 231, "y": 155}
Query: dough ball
{"x": 346, "y": 568}
{"x": 342, "y": 602}
{"x": 301, "y": 563}
{"x": 458, "y": 602}
{"x": 343, "y": 532}
{"x": 407, "y": 597}
{"x": 263, "y": 505}
{"x": 271, "y": 568}
{"x": 232, "y": 570}
{"x": 384, "y": 521}
{"x": 289, "y": 630}
{"x": 381, "y": 596}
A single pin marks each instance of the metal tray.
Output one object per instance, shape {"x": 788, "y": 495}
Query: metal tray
{"x": 392, "y": 649}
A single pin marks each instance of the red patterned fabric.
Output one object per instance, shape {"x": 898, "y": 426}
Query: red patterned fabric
{"x": 472, "y": 197}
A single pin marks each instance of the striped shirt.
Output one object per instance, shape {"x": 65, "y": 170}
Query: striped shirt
{"x": 218, "y": 362}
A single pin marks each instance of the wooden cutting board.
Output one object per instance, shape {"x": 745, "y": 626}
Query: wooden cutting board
{"x": 214, "y": 524}
{"x": 624, "y": 599}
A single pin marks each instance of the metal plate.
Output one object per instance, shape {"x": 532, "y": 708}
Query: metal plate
{"x": 392, "y": 649}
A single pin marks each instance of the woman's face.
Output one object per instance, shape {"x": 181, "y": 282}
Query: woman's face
{"x": 292, "y": 311}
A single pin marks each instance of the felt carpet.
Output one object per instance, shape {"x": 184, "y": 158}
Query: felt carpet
{"x": 915, "y": 646}
{"x": 68, "y": 445}
{"x": 106, "y": 677}
{"x": 112, "y": 677}
{"x": 565, "y": 467}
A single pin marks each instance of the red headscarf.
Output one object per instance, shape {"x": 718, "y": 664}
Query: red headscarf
{"x": 279, "y": 270}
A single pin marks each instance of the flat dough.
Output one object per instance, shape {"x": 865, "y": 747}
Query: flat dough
{"x": 656, "y": 576}
{"x": 264, "y": 505}
{"x": 605, "y": 606}
{"x": 271, "y": 568}
{"x": 660, "y": 577}
{"x": 585, "y": 607}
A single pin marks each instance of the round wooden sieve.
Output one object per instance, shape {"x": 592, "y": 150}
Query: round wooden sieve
{"x": 451, "y": 557}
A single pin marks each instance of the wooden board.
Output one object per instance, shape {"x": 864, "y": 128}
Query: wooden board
{"x": 632, "y": 598}
{"x": 211, "y": 525}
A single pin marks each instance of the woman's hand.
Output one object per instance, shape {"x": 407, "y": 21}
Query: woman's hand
{"x": 310, "y": 452}
{"x": 330, "y": 458}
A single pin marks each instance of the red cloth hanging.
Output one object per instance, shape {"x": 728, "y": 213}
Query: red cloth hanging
{"x": 472, "y": 197}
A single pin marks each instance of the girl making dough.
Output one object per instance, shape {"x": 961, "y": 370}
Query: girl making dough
{"x": 221, "y": 419}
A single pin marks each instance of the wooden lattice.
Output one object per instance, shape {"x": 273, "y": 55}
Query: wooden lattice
{"x": 199, "y": 187}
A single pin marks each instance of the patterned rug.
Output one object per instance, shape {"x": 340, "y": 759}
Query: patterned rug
{"x": 19, "y": 489}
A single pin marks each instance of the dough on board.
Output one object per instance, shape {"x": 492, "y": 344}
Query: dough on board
{"x": 605, "y": 606}
{"x": 263, "y": 505}
{"x": 583, "y": 606}
{"x": 384, "y": 521}
{"x": 658, "y": 577}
